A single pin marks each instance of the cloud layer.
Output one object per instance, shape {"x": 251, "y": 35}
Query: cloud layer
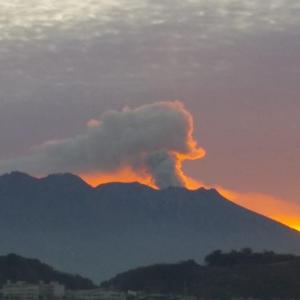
{"x": 37, "y": 18}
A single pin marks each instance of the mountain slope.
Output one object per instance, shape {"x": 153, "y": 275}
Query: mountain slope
{"x": 102, "y": 231}
{"x": 256, "y": 279}
{"x": 17, "y": 268}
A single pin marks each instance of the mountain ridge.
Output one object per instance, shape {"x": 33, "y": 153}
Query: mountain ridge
{"x": 237, "y": 274}
{"x": 17, "y": 268}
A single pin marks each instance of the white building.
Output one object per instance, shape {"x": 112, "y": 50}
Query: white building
{"x": 27, "y": 291}
{"x": 96, "y": 294}
{"x": 20, "y": 291}
{"x": 52, "y": 290}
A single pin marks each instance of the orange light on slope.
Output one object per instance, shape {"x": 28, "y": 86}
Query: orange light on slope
{"x": 125, "y": 175}
{"x": 279, "y": 210}
{"x": 297, "y": 226}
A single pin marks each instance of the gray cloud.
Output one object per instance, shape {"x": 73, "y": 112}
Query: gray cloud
{"x": 149, "y": 139}
{"x": 163, "y": 167}
{"x": 37, "y": 19}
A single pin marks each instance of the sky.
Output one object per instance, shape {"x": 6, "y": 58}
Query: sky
{"x": 235, "y": 65}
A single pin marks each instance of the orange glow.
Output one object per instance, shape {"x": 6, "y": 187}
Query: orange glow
{"x": 194, "y": 153}
{"x": 277, "y": 209}
{"x": 188, "y": 182}
{"x": 274, "y": 208}
{"x": 125, "y": 175}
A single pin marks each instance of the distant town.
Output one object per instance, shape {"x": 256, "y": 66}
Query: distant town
{"x": 21, "y": 290}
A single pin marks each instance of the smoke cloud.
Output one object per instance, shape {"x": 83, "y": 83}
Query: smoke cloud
{"x": 152, "y": 140}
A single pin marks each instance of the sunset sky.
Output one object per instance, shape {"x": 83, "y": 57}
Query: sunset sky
{"x": 235, "y": 65}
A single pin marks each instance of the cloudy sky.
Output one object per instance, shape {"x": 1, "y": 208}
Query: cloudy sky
{"x": 234, "y": 64}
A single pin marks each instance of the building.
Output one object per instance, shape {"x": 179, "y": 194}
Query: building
{"x": 96, "y": 294}
{"x": 20, "y": 291}
{"x": 26, "y": 291}
{"x": 158, "y": 296}
{"x": 52, "y": 290}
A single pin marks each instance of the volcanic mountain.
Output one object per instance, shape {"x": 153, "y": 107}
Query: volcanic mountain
{"x": 101, "y": 231}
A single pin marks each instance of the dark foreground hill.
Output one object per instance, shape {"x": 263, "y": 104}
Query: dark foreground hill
{"x": 17, "y": 268}
{"x": 99, "y": 232}
{"x": 226, "y": 276}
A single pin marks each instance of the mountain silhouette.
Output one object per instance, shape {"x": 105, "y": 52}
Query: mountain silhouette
{"x": 15, "y": 268}
{"x": 99, "y": 232}
{"x": 233, "y": 275}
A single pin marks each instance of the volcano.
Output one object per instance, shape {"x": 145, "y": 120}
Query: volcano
{"x": 105, "y": 230}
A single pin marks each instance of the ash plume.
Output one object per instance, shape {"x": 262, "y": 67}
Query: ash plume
{"x": 152, "y": 140}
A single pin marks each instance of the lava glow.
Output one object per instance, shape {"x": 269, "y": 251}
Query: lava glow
{"x": 125, "y": 175}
